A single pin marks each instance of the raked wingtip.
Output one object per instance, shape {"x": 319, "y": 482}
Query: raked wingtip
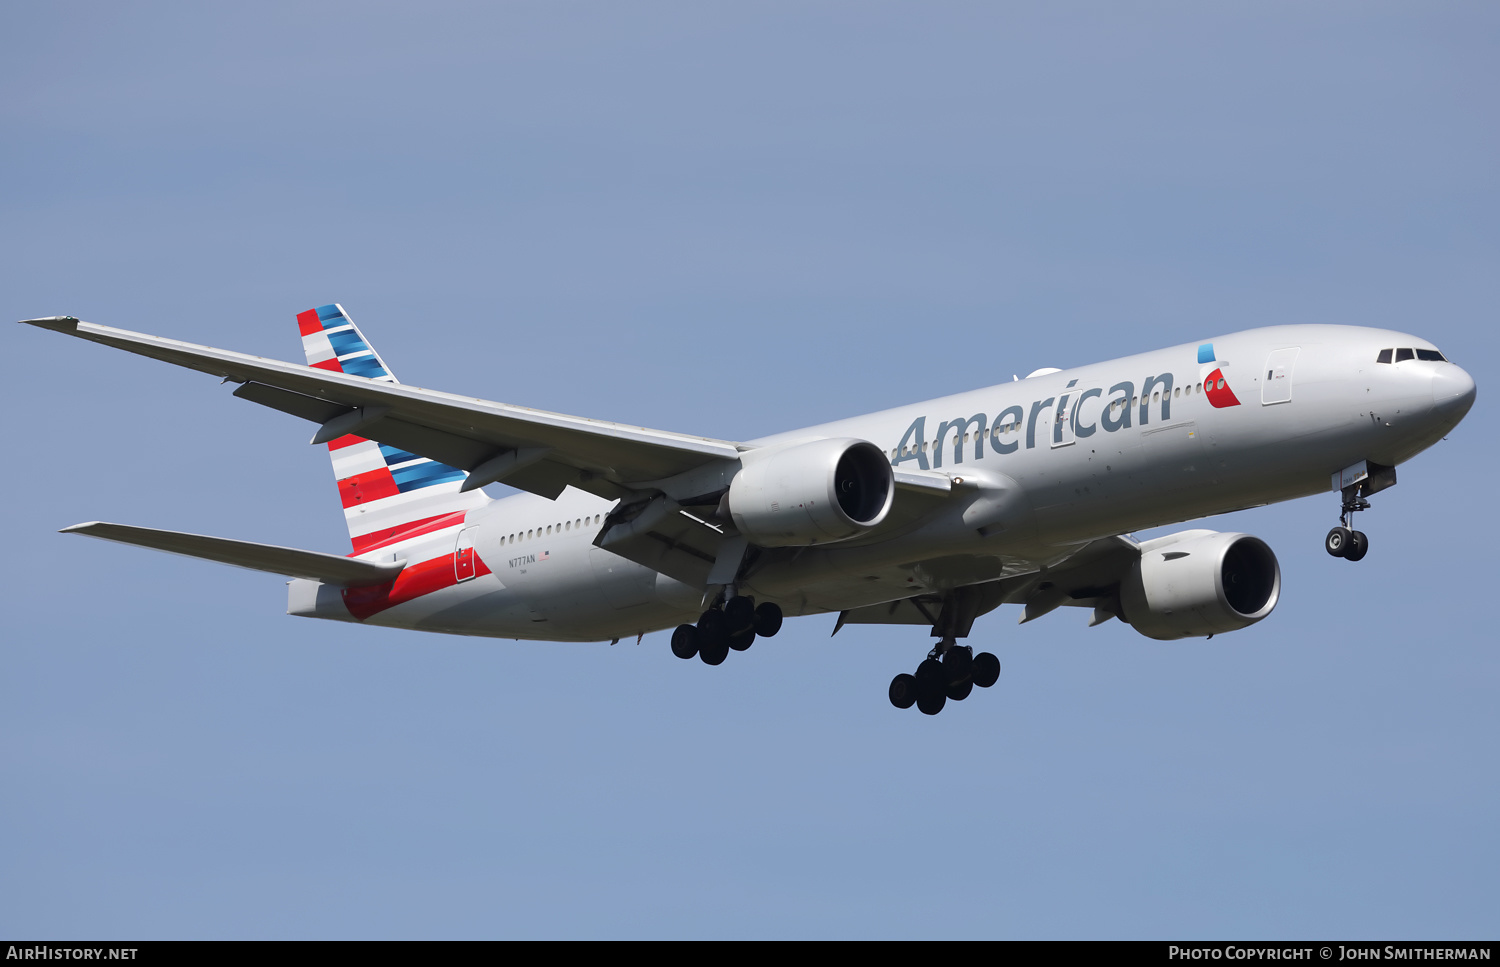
{"x": 55, "y": 323}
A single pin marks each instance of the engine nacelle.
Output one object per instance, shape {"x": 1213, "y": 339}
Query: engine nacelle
{"x": 811, "y": 493}
{"x": 1200, "y": 585}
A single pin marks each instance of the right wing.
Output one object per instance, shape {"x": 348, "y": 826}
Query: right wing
{"x": 530, "y": 449}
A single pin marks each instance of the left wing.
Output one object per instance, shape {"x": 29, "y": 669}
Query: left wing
{"x": 1087, "y": 577}
{"x": 290, "y": 561}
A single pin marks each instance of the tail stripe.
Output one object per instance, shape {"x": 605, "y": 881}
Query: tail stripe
{"x": 333, "y": 342}
{"x": 356, "y": 460}
{"x": 425, "y": 474}
{"x": 367, "y": 366}
{"x": 367, "y": 487}
{"x": 395, "y": 456}
{"x": 417, "y": 528}
{"x": 347, "y": 342}
{"x": 388, "y": 494}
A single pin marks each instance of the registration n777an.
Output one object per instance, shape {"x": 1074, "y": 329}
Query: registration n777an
{"x": 930, "y": 514}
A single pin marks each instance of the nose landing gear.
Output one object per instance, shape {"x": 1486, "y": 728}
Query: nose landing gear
{"x": 1343, "y": 541}
{"x": 1355, "y": 484}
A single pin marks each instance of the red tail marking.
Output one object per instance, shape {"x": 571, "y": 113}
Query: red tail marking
{"x": 415, "y": 581}
{"x": 309, "y": 322}
{"x": 332, "y": 365}
{"x": 365, "y": 487}
{"x": 404, "y": 532}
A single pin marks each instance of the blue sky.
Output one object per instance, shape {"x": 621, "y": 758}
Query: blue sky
{"x": 732, "y": 220}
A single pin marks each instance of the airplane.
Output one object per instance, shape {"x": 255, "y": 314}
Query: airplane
{"x": 931, "y": 514}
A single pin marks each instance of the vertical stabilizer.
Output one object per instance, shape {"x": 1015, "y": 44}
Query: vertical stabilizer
{"x": 389, "y": 495}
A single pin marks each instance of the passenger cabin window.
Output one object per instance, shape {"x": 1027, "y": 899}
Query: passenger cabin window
{"x": 1402, "y": 355}
{"x": 1384, "y": 357}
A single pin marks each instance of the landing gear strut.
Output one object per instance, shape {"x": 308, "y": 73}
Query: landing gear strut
{"x": 949, "y": 672}
{"x": 1344, "y": 541}
{"x": 734, "y": 626}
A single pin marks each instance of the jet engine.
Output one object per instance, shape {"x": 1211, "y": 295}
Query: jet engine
{"x": 810, "y": 493}
{"x": 1200, "y": 585}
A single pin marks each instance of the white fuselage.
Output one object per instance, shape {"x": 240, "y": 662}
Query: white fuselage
{"x": 1058, "y": 459}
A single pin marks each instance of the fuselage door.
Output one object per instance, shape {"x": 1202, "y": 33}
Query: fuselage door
{"x": 1059, "y": 431}
{"x": 463, "y": 555}
{"x": 1277, "y": 387}
{"x": 1080, "y": 408}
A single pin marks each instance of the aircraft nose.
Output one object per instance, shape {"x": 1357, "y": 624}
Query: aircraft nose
{"x": 1452, "y": 391}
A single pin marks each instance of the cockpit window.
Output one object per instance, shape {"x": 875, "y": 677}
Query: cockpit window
{"x": 1427, "y": 355}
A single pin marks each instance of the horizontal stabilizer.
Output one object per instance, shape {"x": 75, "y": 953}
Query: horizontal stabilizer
{"x": 328, "y": 568}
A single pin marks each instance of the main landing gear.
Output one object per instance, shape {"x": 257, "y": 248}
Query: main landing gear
{"x": 734, "y": 626}
{"x": 1343, "y": 541}
{"x": 950, "y": 671}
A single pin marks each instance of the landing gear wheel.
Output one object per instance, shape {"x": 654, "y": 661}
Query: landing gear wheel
{"x": 932, "y": 686}
{"x": 930, "y": 704}
{"x": 930, "y": 677}
{"x": 713, "y": 640}
{"x": 685, "y": 641}
{"x": 1358, "y": 547}
{"x": 767, "y": 620}
{"x": 958, "y": 662}
{"x": 714, "y": 652}
{"x": 1338, "y": 540}
{"x": 742, "y": 640}
{"x": 986, "y": 669}
{"x": 960, "y": 691}
{"x": 711, "y": 625}
{"x": 739, "y": 614}
{"x": 903, "y": 691}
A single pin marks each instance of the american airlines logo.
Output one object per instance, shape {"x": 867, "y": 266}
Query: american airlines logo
{"x": 1211, "y": 374}
{"x": 1076, "y": 414}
